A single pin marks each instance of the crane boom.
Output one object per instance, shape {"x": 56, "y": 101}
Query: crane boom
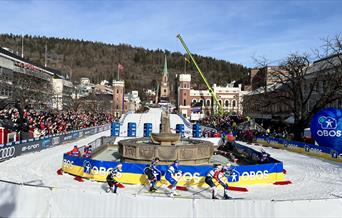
{"x": 212, "y": 92}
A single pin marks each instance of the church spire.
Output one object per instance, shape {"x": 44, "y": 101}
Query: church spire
{"x": 165, "y": 67}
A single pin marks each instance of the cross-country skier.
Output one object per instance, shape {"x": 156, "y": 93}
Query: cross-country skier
{"x": 170, "y": 176}
{"x": 153, "y": 174}
{"x": 111, "y": 178}
{"x": 209, "y": 179}
{"x": 218, "y": 173}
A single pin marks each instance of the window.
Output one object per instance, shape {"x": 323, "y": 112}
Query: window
{"x": 184, "y": 103}
{"x": 208, "y": 102}
{"x": 226, "y": 103}
{"x": 117, "y": 91}
{"x": 234, "y": 103}
{"x": 164, "y": 90}
{"x": 220, "y": 102}
{"x": 194, "y": 101}
{"x": 201, "y": 102}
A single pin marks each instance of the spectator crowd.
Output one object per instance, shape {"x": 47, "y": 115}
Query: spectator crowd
{"x": 32, "y": 123}
{"x": 221, "y": 125}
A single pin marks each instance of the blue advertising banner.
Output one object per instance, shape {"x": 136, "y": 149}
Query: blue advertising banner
{"x": 133, "y": 173}
{"x": 302, "y": 147}
{"x": 10, "y": 150}
{"x": 326, "y": 128}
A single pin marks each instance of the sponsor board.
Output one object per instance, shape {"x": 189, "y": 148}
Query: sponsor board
{"x": 191, "y": 175}
{"x": 326, "y": 128}
{"x": 7, "y": 152}
{"x": 11, "y": 150}
{"x": 67, "y": 137}
{"x": 310, "y": 149}
{"x": 75, "y": 135}
{"x": 26, "y": 148}
{"x": 46, "y": 143}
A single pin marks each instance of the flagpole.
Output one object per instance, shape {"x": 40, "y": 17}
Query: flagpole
{"x": 184, "y": 64}
{"x": 45, "y": 62}
{"x": 22, "y": 46}
{"x": 118, "y": 72}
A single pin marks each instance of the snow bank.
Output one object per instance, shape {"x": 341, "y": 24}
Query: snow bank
{"x": 17, "y": 201}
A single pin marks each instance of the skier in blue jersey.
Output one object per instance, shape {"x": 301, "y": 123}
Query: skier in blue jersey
{"x": 170, "y": 176}
{"x": 153, "y": 174}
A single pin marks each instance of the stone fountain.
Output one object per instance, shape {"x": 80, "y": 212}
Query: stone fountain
{"x": 167, "y": 146}
{"x": 165, "y": 137}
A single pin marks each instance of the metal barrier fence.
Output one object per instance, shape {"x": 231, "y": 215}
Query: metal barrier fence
{"x": 14, "y": 149}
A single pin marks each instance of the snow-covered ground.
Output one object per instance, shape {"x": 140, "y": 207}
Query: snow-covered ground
{"x": 312, "y": 178}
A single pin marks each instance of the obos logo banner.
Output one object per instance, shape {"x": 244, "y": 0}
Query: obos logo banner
{"x": 326, "y": 128}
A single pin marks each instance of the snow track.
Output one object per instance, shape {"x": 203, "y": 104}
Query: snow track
{"x": 312, "y": 178}
{"x": 39, "y": 168}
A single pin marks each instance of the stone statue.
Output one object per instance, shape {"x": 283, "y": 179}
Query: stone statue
{"x": 165, "y": 137}
{"x": 165, "y": 122}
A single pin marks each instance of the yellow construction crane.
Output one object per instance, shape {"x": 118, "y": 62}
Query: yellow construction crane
{"x": 213, "y": 94}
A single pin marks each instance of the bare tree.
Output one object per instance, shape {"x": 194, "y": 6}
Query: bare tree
{"x": 302, "y": 88}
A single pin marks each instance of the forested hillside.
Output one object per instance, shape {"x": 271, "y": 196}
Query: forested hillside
{"x": 98, "y": 61}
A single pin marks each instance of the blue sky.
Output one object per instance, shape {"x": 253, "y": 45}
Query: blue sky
{"x": 230, "y": 30}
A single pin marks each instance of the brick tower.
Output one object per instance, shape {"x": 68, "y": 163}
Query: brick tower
{"x": 184, "y": 101}
{"x": 118, "y": 97}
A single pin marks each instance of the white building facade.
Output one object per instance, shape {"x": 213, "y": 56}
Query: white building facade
{"x": 196, "y": 104}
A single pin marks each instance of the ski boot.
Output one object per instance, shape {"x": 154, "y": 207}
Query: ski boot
{"x": 226, "y": 197}
{"x": 213, "y": 196}
{"x": 153, "y": 189}
{"x": 109, "y": 189}
{"x": 171, "y": 195}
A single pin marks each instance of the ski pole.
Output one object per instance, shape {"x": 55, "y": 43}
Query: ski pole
{"x": 201, "y": 191}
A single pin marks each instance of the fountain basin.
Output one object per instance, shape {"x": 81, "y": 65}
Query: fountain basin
{"x": 187, "y": 151}
{"x": 165, "y": 138}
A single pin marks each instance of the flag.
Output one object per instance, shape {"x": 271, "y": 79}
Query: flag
{"x": 120, "y": 67}
{"x": 187, "y": 60}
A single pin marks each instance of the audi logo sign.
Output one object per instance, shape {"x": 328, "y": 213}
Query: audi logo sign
{"x": 26, "y": 146}
{"x": 7, "y": 152}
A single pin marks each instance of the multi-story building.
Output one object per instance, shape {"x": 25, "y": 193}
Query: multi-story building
{"x": 265, "y": 77}
{"x": 62, "y": 93}
{"x": 196, "y": 104}
{"x": 263, "y": 102}
{"x": 132, "y": 101}
{"x": 25, "y": 81}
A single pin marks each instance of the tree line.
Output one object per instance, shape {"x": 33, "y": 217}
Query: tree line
{"x": 98, "y": 61}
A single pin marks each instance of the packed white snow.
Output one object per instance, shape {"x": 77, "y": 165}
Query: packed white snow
{"x": 312, "y": 178}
